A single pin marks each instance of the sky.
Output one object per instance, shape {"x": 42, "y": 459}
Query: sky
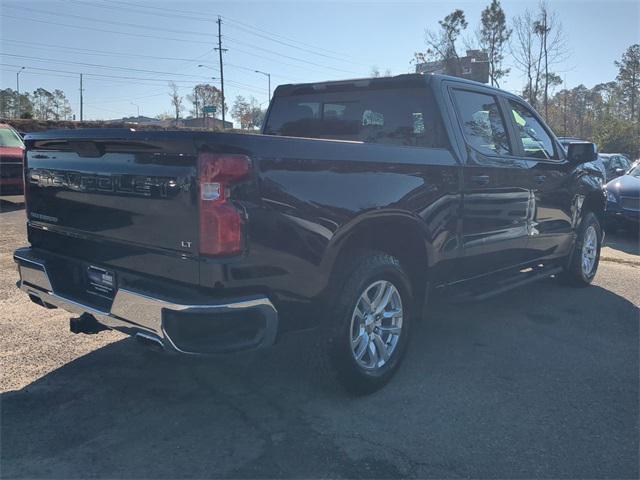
{"x": 128, "y": 51}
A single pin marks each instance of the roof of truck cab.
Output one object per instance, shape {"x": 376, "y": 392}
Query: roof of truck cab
{"x": 397, "y": 81}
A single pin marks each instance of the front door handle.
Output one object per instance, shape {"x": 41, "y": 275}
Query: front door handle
{"x": 480, "y": 180}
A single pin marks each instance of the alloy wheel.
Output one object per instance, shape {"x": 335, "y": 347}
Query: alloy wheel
{"x": 376, "y": 325}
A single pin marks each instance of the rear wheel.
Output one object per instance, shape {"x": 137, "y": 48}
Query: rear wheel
{"x": 583, "y": 264}
{"x": 371, "y": 320}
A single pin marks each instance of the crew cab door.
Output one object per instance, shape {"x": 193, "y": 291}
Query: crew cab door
{"x": 498, "y": 203}
{"x": 549, "y": 175}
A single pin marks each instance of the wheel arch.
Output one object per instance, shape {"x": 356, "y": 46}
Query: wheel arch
{"x": 399, "y": 234}
{"x": 595, "y": 202}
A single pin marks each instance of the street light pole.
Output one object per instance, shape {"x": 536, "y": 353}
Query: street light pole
{"x": 138, "y": 107}
{"x": 268, "y": 75}
{"x": 19, "y": 106}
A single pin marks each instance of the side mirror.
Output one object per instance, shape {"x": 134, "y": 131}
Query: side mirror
{"x": 620, "y": 171}
{"x": 582, "y": 152}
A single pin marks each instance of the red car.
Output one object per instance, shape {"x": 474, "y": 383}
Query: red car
{"x": 11, "y": 150}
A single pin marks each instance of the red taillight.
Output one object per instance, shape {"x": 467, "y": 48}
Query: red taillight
{"x": 220, "y": 220}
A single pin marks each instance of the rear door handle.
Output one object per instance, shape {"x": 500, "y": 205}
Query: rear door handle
{"x": 541, "y": 178}
{"x": 480, "y": 180}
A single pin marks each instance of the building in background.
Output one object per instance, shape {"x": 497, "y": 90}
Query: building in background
{"x": 207, "y": 122}
{"x": 473, "y": 66}
{"x": 139, "y": 120}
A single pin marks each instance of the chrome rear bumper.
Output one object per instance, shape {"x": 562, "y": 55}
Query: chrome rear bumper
{"x": 141, "y": 314}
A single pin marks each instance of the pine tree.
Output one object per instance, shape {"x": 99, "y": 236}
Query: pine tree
{"x": 494, "y": 37}
{"x": 629, "y": 78}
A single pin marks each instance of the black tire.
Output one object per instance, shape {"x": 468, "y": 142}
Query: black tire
{"x": 573, "y": 273}
{"x": 364, "y": 271}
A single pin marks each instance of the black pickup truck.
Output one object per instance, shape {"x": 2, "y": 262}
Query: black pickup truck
{"x": 358, "y": 199}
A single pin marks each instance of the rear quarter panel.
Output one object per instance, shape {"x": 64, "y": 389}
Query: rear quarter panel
{"x": 313, "y": 193}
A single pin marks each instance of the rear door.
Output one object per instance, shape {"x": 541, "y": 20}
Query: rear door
{"x": 498, "y": 203}
{"x": 548, "y": 173}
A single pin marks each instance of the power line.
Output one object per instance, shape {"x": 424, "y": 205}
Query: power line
{"x": 103, "y": 21}
{"x": 290, "y": 45}
{"x": 240, "y": 26}
{"x": 287, "y": 56}
{"x": 96, "y": 65}
{"x": 101, "y": 75}
{"x": 95, "y": 29}
{"x": 183, "y": 32}
{"x": 131, "y": 55}
{"x": 106, "y": 52}
{"x": 181, "y": 12}
{"x": 29, "y": 72}
{"x": 153, "y": 81}
{"x": 264, "y": 57}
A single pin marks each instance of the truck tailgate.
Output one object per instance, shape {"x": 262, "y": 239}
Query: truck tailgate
{"x": 121, "y": 191}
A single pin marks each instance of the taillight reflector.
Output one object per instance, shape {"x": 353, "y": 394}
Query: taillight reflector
{"x": 220, "y": 220}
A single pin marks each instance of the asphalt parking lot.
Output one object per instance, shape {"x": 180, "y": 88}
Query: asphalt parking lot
{"x": 541, "y": 382}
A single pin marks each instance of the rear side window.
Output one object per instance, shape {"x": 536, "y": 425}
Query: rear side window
{"x": 391, "y": 116}
{"x": 482, "y": 124}
{"x": 536, "y": 142}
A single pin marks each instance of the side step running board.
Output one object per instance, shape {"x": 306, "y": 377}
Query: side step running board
{"x": 505, "y": 284}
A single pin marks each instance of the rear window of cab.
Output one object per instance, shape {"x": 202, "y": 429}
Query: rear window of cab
{"x": 407, "y": 117}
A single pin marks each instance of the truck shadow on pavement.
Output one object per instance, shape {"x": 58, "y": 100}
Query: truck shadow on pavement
{"x": 7, "y": 206}
{"x": 540, "y": 382}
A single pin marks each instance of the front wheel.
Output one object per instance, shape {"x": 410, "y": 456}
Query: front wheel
{"x": 371, "y": 321}
{"x": 583, "y": 264}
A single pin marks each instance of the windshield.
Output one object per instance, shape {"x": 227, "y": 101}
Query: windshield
{"x": 9, "y": 138}
{"x": 635, "y": 171}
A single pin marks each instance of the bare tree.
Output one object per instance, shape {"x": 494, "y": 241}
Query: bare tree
{"x": 441, "y": 44}
{"x": 524, "y": 52}
{"x": 61, "y": 106}
{"x": 552, "y": 44}
{"x": 176, "y": 99}
{"x": 43, "y": 104}
{"x": 375, "y": 72}
{"x": 539, "y": 44}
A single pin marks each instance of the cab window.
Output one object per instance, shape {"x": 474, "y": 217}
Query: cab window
{"x": 535, "y": 141}
{"x": 481, "y": 122}
{"x": 407, "y": 117}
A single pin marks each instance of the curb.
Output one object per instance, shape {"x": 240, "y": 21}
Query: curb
{"x": 623, "y": 261}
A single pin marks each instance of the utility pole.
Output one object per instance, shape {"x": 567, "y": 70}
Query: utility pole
{"x": 220, "y": 50}
{"x": 19, "y": 105}
{"x": 195, "y": 94}
{"x": 81, "y": 99}
{"x": 565, "y": 105}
